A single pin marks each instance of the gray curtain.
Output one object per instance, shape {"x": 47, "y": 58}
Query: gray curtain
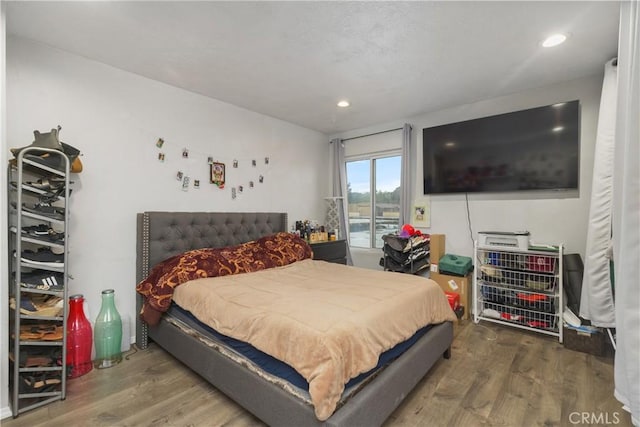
{"x": 405, "y": 179}
{"x": 340, "y": 191}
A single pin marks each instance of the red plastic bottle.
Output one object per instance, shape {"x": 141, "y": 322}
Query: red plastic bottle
{"x": 79, "y": 339}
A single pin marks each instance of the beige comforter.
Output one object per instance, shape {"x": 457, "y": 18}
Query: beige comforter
{"x": 328, "y": 321}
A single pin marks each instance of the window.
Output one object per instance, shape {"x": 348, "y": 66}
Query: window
{"x": 372, "y": 217}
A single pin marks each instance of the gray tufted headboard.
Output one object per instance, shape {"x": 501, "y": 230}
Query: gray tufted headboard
{"x": 161, "y": 235}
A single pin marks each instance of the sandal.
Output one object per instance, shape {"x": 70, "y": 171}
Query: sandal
{"x": 39, "y": 383}
{"x": 29, "y": 333}
{"x": 39, "y": 358}
{"x": 40, "y": 332}
{"x": 53, "y": 335}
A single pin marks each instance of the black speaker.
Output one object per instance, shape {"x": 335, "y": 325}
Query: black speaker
{"x": 572, "y": 280}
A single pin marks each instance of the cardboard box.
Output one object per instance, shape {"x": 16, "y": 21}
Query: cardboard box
{"x": 459, "y": 285}
{"x": 436, "y": 250}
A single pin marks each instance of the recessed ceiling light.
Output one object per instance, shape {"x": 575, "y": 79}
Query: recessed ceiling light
{"x": 554, "y": 40}
{"x": 343, "y": 103}
{"x": 557, "y": 128}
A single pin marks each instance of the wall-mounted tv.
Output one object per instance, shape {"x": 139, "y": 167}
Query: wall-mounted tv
{"x": 534, "y": 149}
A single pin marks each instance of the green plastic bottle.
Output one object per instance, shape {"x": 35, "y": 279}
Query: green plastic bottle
{"x": 107, "y": 332}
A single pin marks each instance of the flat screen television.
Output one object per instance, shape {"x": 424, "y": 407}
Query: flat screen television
{"x": 534, "y": 149}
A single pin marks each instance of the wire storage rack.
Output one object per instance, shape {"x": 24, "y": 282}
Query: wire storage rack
{"x": 519, "y": 288}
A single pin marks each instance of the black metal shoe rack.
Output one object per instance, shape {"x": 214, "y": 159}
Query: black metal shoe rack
{"x": 36, "y": 381}
{"x": 403, "y": 255}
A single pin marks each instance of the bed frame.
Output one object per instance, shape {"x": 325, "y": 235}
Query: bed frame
{"x": 163, "y": 234}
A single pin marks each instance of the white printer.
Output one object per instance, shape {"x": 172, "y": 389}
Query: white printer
{"x": 504, "y": 239}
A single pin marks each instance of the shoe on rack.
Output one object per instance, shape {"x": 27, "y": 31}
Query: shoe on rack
{"x": 54, "y": 161}
{"x": 42, "y": 280}
{"x": 38, "y": 357}
{"x": 52, "y": 196}
{"x": 37, "y": 230}
{"x": 50, "y": 307}
{"x": 42, "y": 232}
{"x": 40, "y": 332}
{"x": 43, "y": 257}
{"x": 45, "y": 209}
{"x": 43, "y": 184}
{"x": 52, "y": 212}
{"x": 48, "y": 185}
{"x": 39, "y": 382}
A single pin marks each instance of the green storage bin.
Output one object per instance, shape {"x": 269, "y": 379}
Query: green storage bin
{"x": 455, "y": 264}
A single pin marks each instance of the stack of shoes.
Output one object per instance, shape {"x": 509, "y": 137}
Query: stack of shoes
{"x": 39, "y": 305}
{"x": 50, "y": 141}
{"x": 43, "y": 280}
{"x": 43, "y": 257}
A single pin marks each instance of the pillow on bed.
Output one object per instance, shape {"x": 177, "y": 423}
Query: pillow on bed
{"x": 267, "y": 252}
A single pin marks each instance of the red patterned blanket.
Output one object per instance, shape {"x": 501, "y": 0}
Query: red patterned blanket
{"x": 267, "y": 252}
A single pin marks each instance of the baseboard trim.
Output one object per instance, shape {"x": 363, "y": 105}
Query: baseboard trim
{"x": 5, "y": 412}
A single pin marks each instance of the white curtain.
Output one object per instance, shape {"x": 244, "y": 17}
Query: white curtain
{"x": 405, "y": 177}
{"x": 596, "y": 302}
{"x": 626, "y": 213}
{"x": 340, "y": 191}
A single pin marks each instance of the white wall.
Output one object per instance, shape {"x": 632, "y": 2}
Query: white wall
{"x": 115, "y": 118}
{"x": 550, "y": 216}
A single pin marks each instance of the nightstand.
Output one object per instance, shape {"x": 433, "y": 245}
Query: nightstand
{"x": 331, "y": 251}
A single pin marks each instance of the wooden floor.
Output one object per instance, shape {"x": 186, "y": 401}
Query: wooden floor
{"x": 497, "y": 376}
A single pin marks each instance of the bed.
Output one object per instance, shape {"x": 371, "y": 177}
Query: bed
{"x": 161, "y": 235}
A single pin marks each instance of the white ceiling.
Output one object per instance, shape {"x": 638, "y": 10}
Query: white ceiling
{"x": 295, "y": 60}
